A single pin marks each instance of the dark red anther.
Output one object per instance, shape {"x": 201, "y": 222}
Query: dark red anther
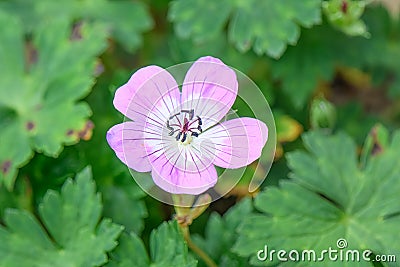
{"x": 178, "y": 136}
{"x": 184, "y": 137}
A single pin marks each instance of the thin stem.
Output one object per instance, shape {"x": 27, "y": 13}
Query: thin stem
{"x": 185, "y": 214}
{"x": 186, "y": 234}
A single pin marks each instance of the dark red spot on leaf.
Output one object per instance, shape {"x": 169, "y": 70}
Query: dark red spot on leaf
{"x": 31, "y": 55}
{"x": 99, "y": 68}
{"x": 377, "y": 147}
{"x": 70, "y": 132}
{"x": 38, "y": 107}
{"x": 76, "y": 33}
{"x": 30, "y": 125}
{"x": 345, "y": 7}
{"x": 5, "y": 166}
{"x": 86, "y": 132}
{"x": 90, "y": 125}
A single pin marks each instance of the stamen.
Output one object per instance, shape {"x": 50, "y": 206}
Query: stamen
{"x": 172, "y": 132}
{"x": 177, "y": 114}
{"x": 184, "y": 137}
{"x": 169, "y": 126}
{"x": 183, "y": 129}
{"x": 178, "y": 136}
{"x": 190, "y": 112}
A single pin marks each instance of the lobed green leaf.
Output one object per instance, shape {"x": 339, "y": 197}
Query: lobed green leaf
{"x": 328, "y": 198}
{"x": 266, "y": 26}
{"x": 39, "y": 93}
{"x": 74, "y": 233}
{"x": 221, "y": 233}
{"x": 167, "y": 248}
{"x": 125, "y": 20}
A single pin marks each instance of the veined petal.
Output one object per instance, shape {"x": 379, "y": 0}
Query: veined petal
{"x": 210, "y": 88}
{"x": 150, "y": 92}
{"x": 193, "y": 175}
{"x": 235, "y": 143}
{"x": 128, "y": 140}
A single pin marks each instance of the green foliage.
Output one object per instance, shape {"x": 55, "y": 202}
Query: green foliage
{"x": 322, "y": 49}
{"x": 74, "y": 235}
{"x": 122, "y": 197}
{"x": 329, "y": 197}
{"x": 353, "y": 112}
{"x": 167, "y": 248}
{"x": 220, "y": 234}
{"x": 122, "y": 202}
{"x": 313, "y": 59}
{"x": 39, "y": 93}
{"x": 385, "y": 32}
{"x": 116, "y": 16}
{"x": 267, "y": 26}
{"x": 130, "y": 252}
{"x": 50, "y": 53}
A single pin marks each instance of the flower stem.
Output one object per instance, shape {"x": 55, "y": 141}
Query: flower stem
{"x": 208, "y": 261}
{"x": 185, "y": 214}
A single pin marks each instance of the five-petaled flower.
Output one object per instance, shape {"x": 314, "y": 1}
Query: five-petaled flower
{"x": 179, "y": 135}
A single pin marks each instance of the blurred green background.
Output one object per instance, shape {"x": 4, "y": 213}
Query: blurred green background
{"x": 330, "y": 71}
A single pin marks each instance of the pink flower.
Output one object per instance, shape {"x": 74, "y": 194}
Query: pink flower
{"x": 179, "y": 136}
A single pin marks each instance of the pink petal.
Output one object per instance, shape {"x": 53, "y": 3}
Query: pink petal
{"x": 176, "y": 179}
{"x": 235, "y": 143}
{"x": 128, "y": 142}
{"x": 210, "y": 88}
{"x": 150, "y": 90}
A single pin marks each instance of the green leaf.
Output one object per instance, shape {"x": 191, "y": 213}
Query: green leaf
{"x": 193, "y": 18}
{"x": 329, "y": 197}
{"x": 350, "y": 113}
{"x": 122, "y": 197}
{"x": 19, "y": 198}
{"x": 123, "y": 203}
{"x": 221, "y": 233}
{"x": 188, "y": 50}
{"x": 167, "y": 249}
{"x": 267, "y": 26}
{"x": 39, "y": 93}
{"x": 125, "y": 20}
{"x": 75, "y": 234}
{"x": 129, "y": 252}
